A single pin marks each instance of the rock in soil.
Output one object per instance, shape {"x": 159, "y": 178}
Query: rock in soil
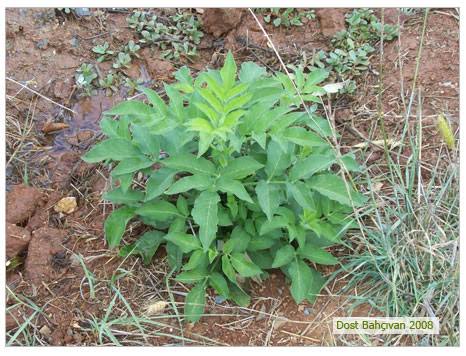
{"x": 331, "y": 21}
{"x": 21, "y": 203}
{"x": 45, "y": 243}
{"x": 17, "y": 240}
{"x": 220, "y": 21}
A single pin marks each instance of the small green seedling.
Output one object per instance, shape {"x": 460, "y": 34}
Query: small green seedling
{"x": 103, "y": 51}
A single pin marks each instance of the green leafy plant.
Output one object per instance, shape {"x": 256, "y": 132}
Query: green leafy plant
{"x": 84, "y": 77}
{"x": 132, "y": 49}
{"x": 103, "y": 51}
{"x": 286, "y": 16}
{"x": 234, "y": 179}
{"x": 109, "y": 84}
{"x": 123, "y": 60}
{"x": 175, "y": 35}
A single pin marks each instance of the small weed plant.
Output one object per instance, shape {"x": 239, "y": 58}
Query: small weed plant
{"x": 232, "y": 177}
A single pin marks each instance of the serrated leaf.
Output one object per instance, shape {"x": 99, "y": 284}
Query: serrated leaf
{"x": 334, "y": 188}
{"x": 192, "y": 276}
{"x": 227, "y": 268}
{"x": 198, "y": 260}
{"x": 234, "y": 187}
{"x": 228, "y": 71}
{"x": 146, "y": 246}
{"x": 159, "y": 210}
{"x": 302, "y": 137}
{"x": 243, "y": 266}
{"x": 115, "y": 149}
{"x": 186, "y": 242}
{"x": 211, "y": 100}
{"x": 195, "y": 303}
{"x": 219, "y": 283}
{"x": 118, "y": 196}
{"x": 132, "y": 107}
{"x": 269, "y": 198}
{"x": 250, "y": 72}
{"x": 196, "y": 181}
{"x": 115, "y": 225}
{"x": 238, "y": 241}
{"x": 239, "y": 296}
{"x": 305, "y": 168}
{"x": 201, "y": 125}
{"x": 205, "y": 214}
{"x": 187, "y": 162}
{"x": 155, "y": 101}
{"x": 301, "y": 280}
{"x": 302, "y": 195}
{"x": 283, "y": 256}
{"x": 158, "y": 182}
{"x": 277, "y": 160}
{"x": 240, "y": 168}
{"x": 315, "y": 254}
{"x": 148, "y": 143}
{"x": 132, "y": 164}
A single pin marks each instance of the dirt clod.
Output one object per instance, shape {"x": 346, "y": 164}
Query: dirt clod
{"x": 45, "y": 243}
{"x": 21, "y": 203}
{"x": 331, "y": 20}
{"x": 17, "y": 240}
{"x": 221, "y": 21}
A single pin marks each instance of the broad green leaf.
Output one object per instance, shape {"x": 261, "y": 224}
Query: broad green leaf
{"x": 201, "y": 125}
{"x": 238, "y": 241}
{"x": 147, "y": 142}
{"x": 350, "y": 163}
{"x": 182, "y": 205}
{"x": 187, "y": 162}
{"x": 155, "y": 101}
{"x": 132, "y": 107}
{"x": 240, "y": 168}
{"x": 195, "y": 303}
{"x": 315, "y": 77}
{"x": 223, "y": 217}
{"x": 305, "y": 168}
{"x": 159, "y": 210}
{"x": 303, "y": 137}
{"x": 302, "y": 195}
{"x": 196, "y": 181}
{"x": 174, "y": 256}
{"x": 186, "y": 242}
{"x": 219, "y": 283}
{"x": 125, "y": 181}
{"x": 232, "y": 204}
{"x": 234, "y": 187}
{"x": 205, "y": 215}
{"x": 205, "y": 141}
{"x": 198, "y": 261}
{"x": 316, "y": 254}
{"x": 109, "y": 127}
{"x": 227, "y": 269}
{"x": 283, "y": 256}
{"x": 317, "y": 283}
{"x": 277, "y": 160}
{"x": 228, "y": 71}
{"x": 118, "y": 196}
{"x": 192, "y": 276}
{"x": 211, "y": 100}
{"x": 116, "y": 149}
{"x": 238, "y": 102}
{"x": 243, "y": 266}
{"x": 333, "y": 187}
{"x": 132, "y": 164}
{"x": 277, "y": 222}
{"x": 301, "y": 280}
{"x": 158, "y": 182}
{"x": 269, "y": 198}
{"x": 115, "y": 225}
{"x": 239, "y": 296}
{"x": 146, "y": 246}
{"x": 262, "y": 242}
{"x": 250, "y": 72}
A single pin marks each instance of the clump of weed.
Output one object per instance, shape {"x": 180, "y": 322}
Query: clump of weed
{"x": 286, "y": 17}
